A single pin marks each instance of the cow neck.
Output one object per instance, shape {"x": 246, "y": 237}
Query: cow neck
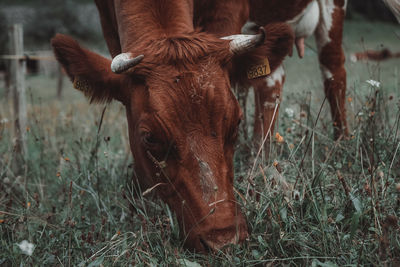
{"x": 142, "y": 21}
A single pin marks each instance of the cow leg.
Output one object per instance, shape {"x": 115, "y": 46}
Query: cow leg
{"x": 329, "y": 35}
{"x": 267, "y": 95}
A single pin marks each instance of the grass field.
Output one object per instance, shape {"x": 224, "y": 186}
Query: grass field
{"x": 314, "y": 202}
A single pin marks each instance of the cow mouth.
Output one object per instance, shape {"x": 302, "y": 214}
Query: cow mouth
{"x": 206, "y": 247}
{"x": 214, "y": 246}
{"x": 216, "y": 236}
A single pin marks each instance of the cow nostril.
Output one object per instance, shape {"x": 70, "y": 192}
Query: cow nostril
{"x": 205, "y": 246}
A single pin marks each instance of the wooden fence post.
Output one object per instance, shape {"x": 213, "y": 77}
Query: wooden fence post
{"x": 18, "y": 70}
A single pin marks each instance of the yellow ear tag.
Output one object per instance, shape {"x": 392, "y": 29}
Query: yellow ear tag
{"x": 81, "y": 84}
{"x": 259, "y": 70}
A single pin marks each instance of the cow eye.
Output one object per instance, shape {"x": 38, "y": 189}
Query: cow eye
{"x": 149, "y": 140}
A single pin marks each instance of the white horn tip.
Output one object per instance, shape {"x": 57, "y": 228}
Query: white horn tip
{"x": 241, "y": 43}
{"x": 124, "y": 61}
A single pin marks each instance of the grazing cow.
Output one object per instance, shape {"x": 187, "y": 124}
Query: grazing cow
{"x": 324, "y": 19}
{"x": 182, "y": 116}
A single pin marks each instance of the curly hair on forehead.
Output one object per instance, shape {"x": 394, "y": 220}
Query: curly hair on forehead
{"x": 181, "y": 51}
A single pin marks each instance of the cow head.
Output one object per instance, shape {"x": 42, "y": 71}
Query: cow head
{"x": 183, "y": 123}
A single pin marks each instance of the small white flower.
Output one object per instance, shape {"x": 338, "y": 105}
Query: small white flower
{"x": 296, "y": 195}
{"x": 184, "y": 262}
{"x": 289, "y": 112}
{"x": 26, "y": 247}
{"x": 374, "y": 83}
{"x": 86, "y": 129}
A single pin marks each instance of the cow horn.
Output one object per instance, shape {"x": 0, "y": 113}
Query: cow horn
{"x": 241, "y": 43}
{"x": 124, "y": 61}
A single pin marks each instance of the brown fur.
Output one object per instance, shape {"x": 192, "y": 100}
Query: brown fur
{"x": 264, "y": 12}
{"x": 182, "y": 51}
{"x": 222, "y": 17}
{"x": 139, "y": 21}
{"x": 109, "y": 25}
{"x": 88, "y": 66}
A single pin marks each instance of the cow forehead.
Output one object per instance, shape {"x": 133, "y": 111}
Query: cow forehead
{"x": 201, "y": 96}
{"x": 198, "y": 87}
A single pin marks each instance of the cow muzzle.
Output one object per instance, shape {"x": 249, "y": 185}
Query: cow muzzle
{"x": 218, "y": 233}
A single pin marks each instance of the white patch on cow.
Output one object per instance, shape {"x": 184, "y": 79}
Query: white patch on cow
{"x": 207, "y": 182}
{"x": 276, "y": 76}
{"x": 326, "y": 74}
{"x": 272, "y": 104}
{"x": 327, "y": 8}
{"x": 275, "y": 95}
{"x": 269, "y": 105}
{"x": 206, "y": 175}
{"x": 306, "y": 22}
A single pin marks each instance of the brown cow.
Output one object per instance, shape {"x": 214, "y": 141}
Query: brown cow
{"x": 182, "y": 116}
{"x": 325, "y": 19}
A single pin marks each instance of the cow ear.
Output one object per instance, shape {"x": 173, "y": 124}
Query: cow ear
{"x": 277, "y": 45}
{"x": 90, "y": 72}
